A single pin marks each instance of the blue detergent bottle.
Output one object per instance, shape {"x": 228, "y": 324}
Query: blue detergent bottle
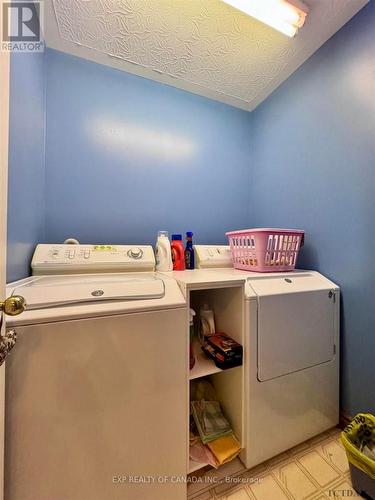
{"x": 189, "y": 251}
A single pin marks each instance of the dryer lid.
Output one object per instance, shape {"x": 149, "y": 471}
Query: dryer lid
{"x": 57, "y": 291}
{"x": 284, "y": 283}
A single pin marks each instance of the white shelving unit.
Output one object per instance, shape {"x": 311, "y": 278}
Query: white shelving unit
{"x": 228, "y": 304}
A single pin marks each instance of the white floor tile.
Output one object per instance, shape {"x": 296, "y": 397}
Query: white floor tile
{"x": 295, "y": 481}
{"x": 212, "y": 477}
{"x": 206, "y": 495}
{"x": 336, "y": 455}
{"x": 267, "y": 489}
{"x": 238, "y": 495}
{"x": 318, "y": 468}
{"x": 315, "y": 470}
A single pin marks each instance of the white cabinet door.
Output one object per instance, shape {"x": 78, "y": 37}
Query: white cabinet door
{"x": 97, "y": 409}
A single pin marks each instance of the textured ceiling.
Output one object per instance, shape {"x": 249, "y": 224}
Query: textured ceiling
{"x": 203, "y": 46}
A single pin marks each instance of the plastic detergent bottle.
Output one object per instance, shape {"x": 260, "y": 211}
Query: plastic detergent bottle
{"x": 163, "y": 253}
{"x": 178, "y": 254}
{"x": 189, "y": 251}
{"x": 207, "y": 322}
{"x": 191, "y": 330}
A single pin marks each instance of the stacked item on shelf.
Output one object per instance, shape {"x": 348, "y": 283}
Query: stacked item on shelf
{"x": 222, "y": 349}
{"x": 225, "y": 352}
{"x": 212, "y": 440}
{"x": 210, "y": 420}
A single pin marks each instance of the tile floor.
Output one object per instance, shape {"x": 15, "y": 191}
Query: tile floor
{"x": 315, "y": 470}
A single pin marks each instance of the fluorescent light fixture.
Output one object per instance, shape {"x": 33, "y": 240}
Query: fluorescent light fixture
{"x": 282, "y": 15}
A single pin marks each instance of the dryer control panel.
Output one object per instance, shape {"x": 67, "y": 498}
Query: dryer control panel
{"x": 71, "y": 259}
{"x": 213, "y": 256}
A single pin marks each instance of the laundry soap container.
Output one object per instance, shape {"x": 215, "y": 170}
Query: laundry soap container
{"x": 163, "y": 253}
{"x": 358, "y": 439}
{"x": 207, "y": 322}
{"x": 189, "y": 251}
{"x": 178, "y": 253}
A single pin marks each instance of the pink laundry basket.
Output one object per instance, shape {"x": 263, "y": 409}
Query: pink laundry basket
{"x": 264, "y": 249}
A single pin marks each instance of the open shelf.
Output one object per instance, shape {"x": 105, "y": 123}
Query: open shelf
{"x": 203, "y": 365}
{"x": 228, "y": 306}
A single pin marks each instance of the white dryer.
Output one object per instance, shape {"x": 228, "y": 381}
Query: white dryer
{"x": 94, "y": 408}
{"x": 291, "y": 346}
{"x": 292, "y": 361}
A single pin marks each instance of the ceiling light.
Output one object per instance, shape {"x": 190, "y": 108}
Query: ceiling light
{"x": 282, "y": 15}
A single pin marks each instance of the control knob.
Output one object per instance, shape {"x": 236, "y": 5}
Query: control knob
{"x": 135, "y": 253}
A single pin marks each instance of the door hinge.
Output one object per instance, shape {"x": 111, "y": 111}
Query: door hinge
{"x": 332, "y": 295}
{"x": 7, "y": 342}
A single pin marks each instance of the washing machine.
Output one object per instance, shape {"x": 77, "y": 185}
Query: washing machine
{"x": 291, "y": 372}
{"x": 93, "y": 385}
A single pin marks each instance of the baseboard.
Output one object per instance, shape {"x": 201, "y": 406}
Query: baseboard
{"x": 344, "y": 419}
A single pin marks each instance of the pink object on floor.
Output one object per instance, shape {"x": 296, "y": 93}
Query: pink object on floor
{"x": 201, "y": 453}
{"x": 265, "y": 249}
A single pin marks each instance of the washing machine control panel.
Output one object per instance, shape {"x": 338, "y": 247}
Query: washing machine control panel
{"x": 67, "y": 259}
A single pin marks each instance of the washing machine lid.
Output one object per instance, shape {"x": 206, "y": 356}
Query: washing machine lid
{"x": 56, "y": 291}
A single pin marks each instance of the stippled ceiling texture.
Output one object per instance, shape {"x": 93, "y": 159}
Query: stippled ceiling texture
{"x": 203, "y": 46}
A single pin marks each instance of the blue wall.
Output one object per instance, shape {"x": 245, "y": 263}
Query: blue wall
{"x": 126, "y": 156}
{"x": 26, "y": 161}
{"x": 313, "y": 164}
